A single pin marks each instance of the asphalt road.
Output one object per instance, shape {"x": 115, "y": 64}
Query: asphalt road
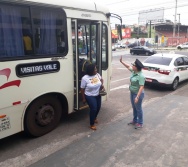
{"x": 162, "y": 142}
{"x": 18, "y": 150}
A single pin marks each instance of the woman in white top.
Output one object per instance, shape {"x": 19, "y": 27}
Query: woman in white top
{"x": 90, "y": 86}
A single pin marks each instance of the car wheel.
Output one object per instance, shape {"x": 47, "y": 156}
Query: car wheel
{"x": 42, "y": 116}
{"x": 175, "y": 84}
{"x": 132, "y": 53}
{"x": 179, "y": 48}
{"x": 147, "y": 53}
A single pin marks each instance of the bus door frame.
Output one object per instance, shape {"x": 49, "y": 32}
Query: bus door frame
{"x": 77, "y": 94}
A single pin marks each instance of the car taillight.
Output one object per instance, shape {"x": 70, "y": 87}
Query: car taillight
{"x": 165, "y": 72}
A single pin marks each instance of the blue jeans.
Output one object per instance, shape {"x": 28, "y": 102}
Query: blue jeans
{"x": 94, "y": 103}
{"x": 137, "y": 108}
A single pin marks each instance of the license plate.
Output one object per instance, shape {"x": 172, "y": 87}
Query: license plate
{"x": 149, "y": 80}
{"x": 4, "y": 124}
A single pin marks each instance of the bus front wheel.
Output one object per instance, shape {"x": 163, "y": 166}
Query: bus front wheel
{"x": 42, "y": 116}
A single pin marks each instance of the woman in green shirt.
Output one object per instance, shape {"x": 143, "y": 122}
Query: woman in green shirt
{"x": 137, "y": 81}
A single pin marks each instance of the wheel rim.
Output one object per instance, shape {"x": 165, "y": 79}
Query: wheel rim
{"x": 45, "y": 115}
{"x": 175, "y": 83}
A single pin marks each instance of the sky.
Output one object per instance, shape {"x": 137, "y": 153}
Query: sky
{"x": 129, "y": 10}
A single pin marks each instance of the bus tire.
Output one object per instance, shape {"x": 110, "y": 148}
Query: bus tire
{"x": 42, "y": 116}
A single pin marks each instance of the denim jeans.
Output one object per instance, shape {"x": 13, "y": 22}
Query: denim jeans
{"x": 137, "y": 108}
{"x": 94, "y": 103}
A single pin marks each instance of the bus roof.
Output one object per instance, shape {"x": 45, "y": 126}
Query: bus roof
{"x": 77, "y": 4}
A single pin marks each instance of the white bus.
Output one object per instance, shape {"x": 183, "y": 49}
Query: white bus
{"x": 44, "y": 48}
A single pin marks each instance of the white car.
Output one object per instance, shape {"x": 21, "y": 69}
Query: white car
{"x": 183, "y": 46}
{"x": 113, "y": 48}
{"x": 120, "y": 45}
{"x": 166, "y": 69}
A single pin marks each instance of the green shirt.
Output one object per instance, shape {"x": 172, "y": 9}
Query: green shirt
{"x": 137, "y": 80}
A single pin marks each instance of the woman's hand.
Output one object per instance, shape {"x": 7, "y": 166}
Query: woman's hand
{"x": 120, "y": 59}
{"x": 136, "y": 100}
{"x": 125, "y": 64}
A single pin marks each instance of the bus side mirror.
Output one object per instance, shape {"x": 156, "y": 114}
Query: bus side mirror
{"x": 119, "y": 27}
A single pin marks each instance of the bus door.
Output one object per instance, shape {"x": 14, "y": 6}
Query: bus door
{"x": 86, "y": 41}
{"x": 106, "y": 56}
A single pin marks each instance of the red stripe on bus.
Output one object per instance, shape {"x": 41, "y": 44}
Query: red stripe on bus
{"x": 11, "y": 83}
{"x": 5, "y": 72}
{"x": 16, "y": 103}
{"x": 2, "y": 116}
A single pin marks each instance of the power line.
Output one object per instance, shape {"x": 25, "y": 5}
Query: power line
{"x": 167, "y": 8}
{"x": 116, "y": 2}
{"x": 156, "y": 6}
{"x": 169, "y": 5}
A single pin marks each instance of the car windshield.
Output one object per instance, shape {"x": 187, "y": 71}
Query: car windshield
{"x": 158, "y": 60}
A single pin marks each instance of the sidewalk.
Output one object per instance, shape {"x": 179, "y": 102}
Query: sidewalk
{"x": 161, "y": 143}
{"x": 156, "y": 48}
{"x": 165, "y": 48}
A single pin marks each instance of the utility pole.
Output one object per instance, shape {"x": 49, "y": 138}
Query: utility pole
{"x": 179, "y": 26}
{"x": 150, "y": 29}
{"x": 174, "y": 28}
{"x": 138, "y": 33}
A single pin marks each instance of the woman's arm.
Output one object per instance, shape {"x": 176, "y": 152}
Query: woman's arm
{"x": 102, "y": 81}
{"x": 83, "y": 95}
{"x": 139, "y": 93}
{"x": 125, "y": 64}
{"x": 102, "y": 86}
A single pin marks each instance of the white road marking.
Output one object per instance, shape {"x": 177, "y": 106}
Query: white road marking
{"x": 120, "y": 80}
{"x": 120, "y": 87}
{"x": 122, "y": 68}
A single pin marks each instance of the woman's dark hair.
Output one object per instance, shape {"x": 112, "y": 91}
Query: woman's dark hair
{"x": 90, "y": 69}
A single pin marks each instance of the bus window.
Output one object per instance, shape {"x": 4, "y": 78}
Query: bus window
{"x": 19, "y": 38}
{"x": 11, "y": 41}
{"x": 104, "y": 47}
{"x": 87, "y": 47}
{"x": 93, "y": 43}
{"x": 27, "y": 33}
{"x": 83, "y": 48}
{"x": 83, "y": 41}
{"x": 49, "y": 31}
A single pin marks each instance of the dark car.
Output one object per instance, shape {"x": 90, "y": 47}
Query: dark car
{"x": 142, "y": 50}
